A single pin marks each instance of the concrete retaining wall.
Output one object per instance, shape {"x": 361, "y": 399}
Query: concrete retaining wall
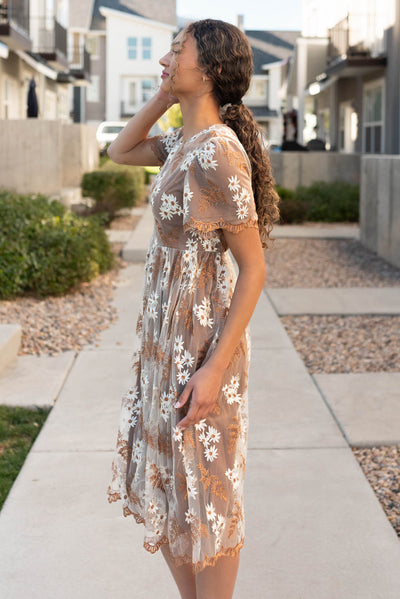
{"x": 303, "y": 168}
{"x": 39, "y": 156}
{"x": 380, "y": 205}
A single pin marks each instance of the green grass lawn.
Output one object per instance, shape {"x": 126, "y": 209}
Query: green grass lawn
{"x": 19, "y": 427}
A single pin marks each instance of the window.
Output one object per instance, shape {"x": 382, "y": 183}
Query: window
{"x": 93, "y": 92}
{"x": 373, "y": 119}
{"x": 93, "y": 46}
{"x": 147, "y": 90}
{"x": 146, "y": 48}
{"x": 132, "y": 47}
{"x": 132, "y": 93}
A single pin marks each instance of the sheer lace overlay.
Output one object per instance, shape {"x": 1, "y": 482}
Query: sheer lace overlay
{"x": 186, "y": 487}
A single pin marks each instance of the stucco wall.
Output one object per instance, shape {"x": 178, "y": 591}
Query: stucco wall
{"x": 380, "y": 205}
{"x": 38, "y": 156}
{"x": 303, "y": 168}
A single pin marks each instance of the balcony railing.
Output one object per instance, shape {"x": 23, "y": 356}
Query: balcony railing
{"x": 356, "y": 35}
{"x": 14, "y": 24}
{"x": 16, "y": 13}
{"x": 48, "y": 35}
{"x": 79, "y": 61}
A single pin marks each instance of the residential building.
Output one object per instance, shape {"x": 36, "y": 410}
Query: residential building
{"x": 344, "y": 78}
{"x": 34, "y": 46}
{"x": 266, "y": 97}
{"x": 125, "y": 41}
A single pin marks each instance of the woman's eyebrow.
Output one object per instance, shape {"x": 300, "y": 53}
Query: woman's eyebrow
{"x": 175, "y": 44}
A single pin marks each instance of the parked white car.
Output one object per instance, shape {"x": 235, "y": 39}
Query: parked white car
{"x": 107, "y": 131}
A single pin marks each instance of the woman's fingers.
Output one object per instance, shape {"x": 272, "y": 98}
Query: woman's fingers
{"x": 184, "y": 396}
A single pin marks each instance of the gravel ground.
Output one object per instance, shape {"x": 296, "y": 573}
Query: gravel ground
{"x": 381, "y": 466}
{"x": 334, "y": 343}
{"x": 57, "y": 324}
{"x": 326, "y": 263}
{"x": 343, "y": 344}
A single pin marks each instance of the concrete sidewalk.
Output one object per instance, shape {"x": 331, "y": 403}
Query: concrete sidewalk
{"x": 314, "y": 527}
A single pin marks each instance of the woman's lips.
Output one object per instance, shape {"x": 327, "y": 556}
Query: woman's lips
{"x": 164, "y": 74}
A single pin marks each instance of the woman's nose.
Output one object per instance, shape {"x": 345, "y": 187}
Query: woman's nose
{"x": 164, "y": 60}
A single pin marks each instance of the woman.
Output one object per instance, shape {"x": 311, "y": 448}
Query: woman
{"x": 181, "y": 448}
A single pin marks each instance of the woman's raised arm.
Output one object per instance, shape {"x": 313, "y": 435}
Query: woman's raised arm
{"x": 132, "y": 146}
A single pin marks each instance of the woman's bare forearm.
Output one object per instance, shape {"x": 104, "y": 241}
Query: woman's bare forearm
{"x": 138, "y": 127}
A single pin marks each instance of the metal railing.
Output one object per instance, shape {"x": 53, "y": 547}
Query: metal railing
{"x": 16, "y": 13}
{"x": 79, "y": 58}
{"x": 48, "y": 35}
{"x": 356, "y": 35}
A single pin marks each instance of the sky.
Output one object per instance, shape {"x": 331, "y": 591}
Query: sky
{"x": 258, "y": 14}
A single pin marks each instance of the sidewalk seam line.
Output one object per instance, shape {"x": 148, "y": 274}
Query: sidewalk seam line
{"x": 324, "y": 399}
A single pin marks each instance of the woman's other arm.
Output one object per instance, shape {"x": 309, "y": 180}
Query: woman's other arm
{"x": 206, "y": 382}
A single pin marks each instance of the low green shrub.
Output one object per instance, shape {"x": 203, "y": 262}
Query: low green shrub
{"x": 330, "y": 202}
{"x": 290, "y": 209}
{"x": 46, "y": 249}
{"x": 113, "y": 186}
{"x": 320, "y": 202}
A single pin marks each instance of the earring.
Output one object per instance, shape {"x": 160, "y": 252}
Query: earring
{"x": 204, "y": 78}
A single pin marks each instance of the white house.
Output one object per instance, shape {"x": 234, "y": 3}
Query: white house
{"x": 134, "y": 46}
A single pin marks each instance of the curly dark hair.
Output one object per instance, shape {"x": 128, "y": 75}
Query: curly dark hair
{"x": 225, "y": 56}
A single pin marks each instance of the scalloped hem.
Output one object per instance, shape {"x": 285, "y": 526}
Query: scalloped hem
{"x": 219, "y": 224}
{"x": 180, "y": 560}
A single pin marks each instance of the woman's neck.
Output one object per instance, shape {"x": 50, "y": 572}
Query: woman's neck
{"x": 198, "y": 114}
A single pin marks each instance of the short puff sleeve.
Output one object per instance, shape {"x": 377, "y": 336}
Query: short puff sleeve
{"x": 161, "y": 145}
{"x": 217, "y": 189}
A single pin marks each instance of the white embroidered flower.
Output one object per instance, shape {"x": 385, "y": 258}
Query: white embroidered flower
{"x": 188, "y": 359}
{"x": 153, "y": 506}
{"x": 211, "y": 453}
{"x": 213, "y": 436}
{"x": 190, "y": 515}
{"x": 203, "y": 438}
{"x": 233, "y": 183}
{"x": 183, "y": 376}
{"x": 177, "y": 434}
{"x": 206, "y": 162}
{"x": 245, "y": 196}
{"x": 178, "y": 344}
{"x": 190, "y": 156}
{"x": 233, "y": 475}
{"x": 200, "y": 426}
{"x": 210, "y": 245}
{"x": 191, "y": 487}
{"x": 132, "y": 393}
{"x": 191, "y": 243}
{"x": 230, "y": 391}
{"x": 152, "y": 304}
{"x": 210, "y": 511}
{"x": 242, "y": 211}
{"x": 179, "y": 361}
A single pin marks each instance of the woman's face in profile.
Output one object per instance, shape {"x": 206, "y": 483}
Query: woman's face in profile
{"x": 181, "y": 74}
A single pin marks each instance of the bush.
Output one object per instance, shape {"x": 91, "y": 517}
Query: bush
{"x": 47, "y": 250}
{"x": 330, "y": 202}
{"x": 113, "y": 186}
{"x": 320, "y": 202}
{"x": 290, "y": 209}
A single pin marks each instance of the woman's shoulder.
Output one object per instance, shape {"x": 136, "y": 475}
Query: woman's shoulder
{"x": 222, "y": 141}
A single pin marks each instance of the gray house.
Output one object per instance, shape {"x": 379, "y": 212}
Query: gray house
{"x": 345, "y": 85}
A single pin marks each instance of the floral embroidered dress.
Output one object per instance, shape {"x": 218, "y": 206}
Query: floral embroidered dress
{"x": 186, "y": 487}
